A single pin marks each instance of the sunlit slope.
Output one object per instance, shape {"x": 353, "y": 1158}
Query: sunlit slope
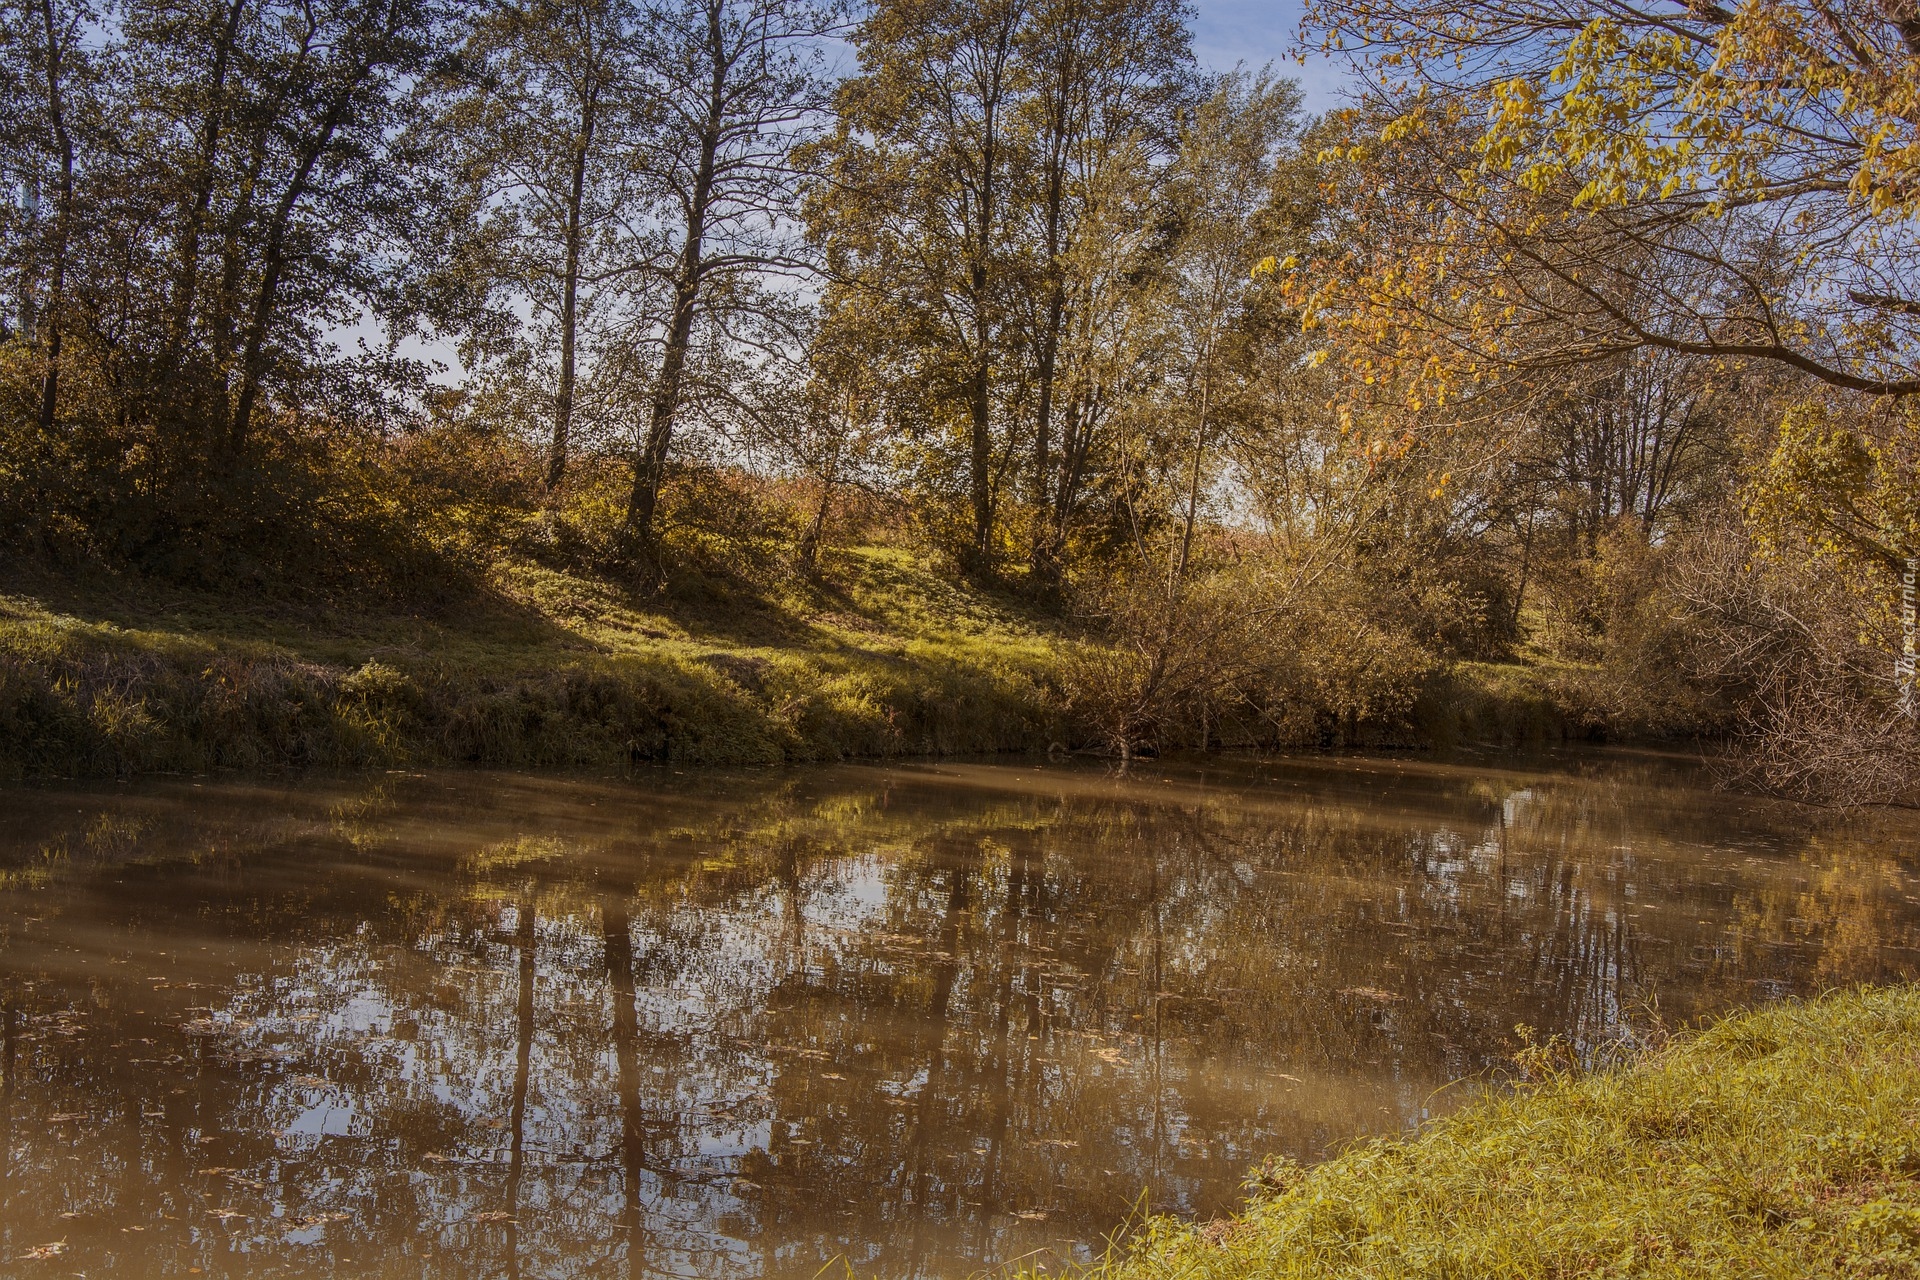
{"x": 1777, "y": 1143}
{"x": 878, "y": 656}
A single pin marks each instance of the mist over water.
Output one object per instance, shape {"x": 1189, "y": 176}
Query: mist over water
{"x": 919, "y": 1019}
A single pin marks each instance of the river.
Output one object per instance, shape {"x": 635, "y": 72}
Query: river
{"x": 911, "y": 1020}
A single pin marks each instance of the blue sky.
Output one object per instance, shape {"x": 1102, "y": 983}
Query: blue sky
{"x": 1261, "y": 31}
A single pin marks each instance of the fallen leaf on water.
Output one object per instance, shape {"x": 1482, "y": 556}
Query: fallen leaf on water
{"x": 53, "y": 1250}
{"x": 217, "y": 1170}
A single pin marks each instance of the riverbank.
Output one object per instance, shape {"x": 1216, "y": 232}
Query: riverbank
{"x": 535, "y": 669}
{"x": 1781, "y": 1142}
{"x": 881, "y": 654}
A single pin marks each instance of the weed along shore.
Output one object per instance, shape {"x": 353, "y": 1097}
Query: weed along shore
{"x": 1783, "y": 1142}
{"x": 877, "y": 655}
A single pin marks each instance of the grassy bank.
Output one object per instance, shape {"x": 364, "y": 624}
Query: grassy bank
{"x": 534, "y": 668}
{"x": 882, "y": 653}
{"x": 1779, "y": 1143}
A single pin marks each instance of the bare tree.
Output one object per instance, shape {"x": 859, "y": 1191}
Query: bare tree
{"x": 739, "y": 86}
{"x": 547, "y": 121}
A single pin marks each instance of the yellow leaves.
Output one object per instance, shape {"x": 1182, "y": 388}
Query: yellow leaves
{"x": 1830, "y": 490}
{"x": 1270, "y": 266}
{"x": 1404, "y": 126}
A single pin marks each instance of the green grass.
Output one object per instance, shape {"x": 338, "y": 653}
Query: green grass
{"x": 1778, "y": 1143}
{"x": 882, "y": 653}
{"x": 534, "y": 668}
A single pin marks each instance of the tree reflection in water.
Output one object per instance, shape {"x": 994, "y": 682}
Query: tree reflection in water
{"x": 922, "y": 1019}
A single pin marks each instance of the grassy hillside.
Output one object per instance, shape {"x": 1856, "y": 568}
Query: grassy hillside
{"x": 878, "y": 656}
{"x": 1779, "y": 1143}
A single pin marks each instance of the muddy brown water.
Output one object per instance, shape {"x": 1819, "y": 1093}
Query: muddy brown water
{"x": 911, "y": 1021}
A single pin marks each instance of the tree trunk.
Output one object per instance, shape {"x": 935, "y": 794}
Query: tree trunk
{"x": 187, "y": 270}
{"x": 1044, "y": 561}
{"x": 63, "y": 223}
{"x": 1179, "y": 569}
{"x": 1075, "y": 441}
{"x": 980, "y": 453}
{"x": 980, "y": 393}
{"x": 570, "y": 299}
{"x": 808, "y": 552}
{"x": 232, "y": 252}
{"x": 273, "y": 265}
{"x": 650, "y": 467}
{"x": 1526, "y": 565}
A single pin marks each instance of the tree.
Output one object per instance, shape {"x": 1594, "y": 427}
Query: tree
{"x": 49, "y": 88}
{"x": 919, "y": 222}
{"x": 1557, "y": 183}
{"x": 1103, "y": 82}
{"x": 547, "y": 122}
{"x": 738, "y": 85}
{"x": 1222, "y": 184}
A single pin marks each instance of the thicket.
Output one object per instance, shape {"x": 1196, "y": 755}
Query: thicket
{"x": 1372, "y": 428}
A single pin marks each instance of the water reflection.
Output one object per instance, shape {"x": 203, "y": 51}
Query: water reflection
{"x": 920, "y": 1019}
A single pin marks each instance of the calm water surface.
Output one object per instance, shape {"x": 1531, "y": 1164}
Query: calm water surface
{"x": 915, "y": 1020}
